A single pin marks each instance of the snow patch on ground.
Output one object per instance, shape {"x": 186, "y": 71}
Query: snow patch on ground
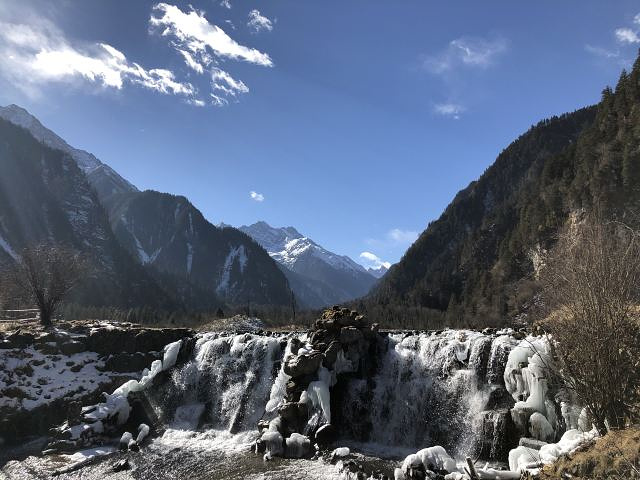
{"x": 29, "y": 378}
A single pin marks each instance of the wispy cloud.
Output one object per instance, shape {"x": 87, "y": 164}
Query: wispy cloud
{"x": 392, "y": 239}
{"x": 258, "y": 197}
{"x": 258, "y": 23}
{"x": 371, "y": 260}
{"x": 601, "y": 52}
{"x": 451, "y": 110}
{"x": 193, "y": 32}
{"x": 226, "y": 4}
{"x": 37, "y": 53}
{"x": 402, "y": 237}
{"x": 466, "y": 52}
{"x": 202, "y": 45}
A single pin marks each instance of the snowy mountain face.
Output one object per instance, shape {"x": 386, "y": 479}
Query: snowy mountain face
{"x": 317, "y": 276}
{"x": 102, "y": 178}
{"x": 169, "y": 234}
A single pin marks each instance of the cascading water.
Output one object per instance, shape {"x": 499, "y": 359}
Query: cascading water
{"x": 224, "y": 388}
{"x": 430, "y": 389}
{"x": 475, "y": 394}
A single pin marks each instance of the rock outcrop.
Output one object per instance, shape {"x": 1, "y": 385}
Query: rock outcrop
{"x": 341, "y": 342}
{"x": 44, "y": 373}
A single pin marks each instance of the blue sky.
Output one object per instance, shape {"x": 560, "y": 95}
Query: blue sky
{"x": 354, "y": 121}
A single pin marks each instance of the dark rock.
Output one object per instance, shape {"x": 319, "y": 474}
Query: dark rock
{"x": 350, "y": 335}
{"x": 499, "y": 398}
{"x": 48, "y": 348}
{"x": 289, "y": 412}
{"x": 304, "y": 364}
{"x": 331, "y": 353}
{"x": 69, "y": 348}
{"x": 128, "y": 362}
{"x": 76, "y": 368}
{"x": 74, "y": 412}
{"x": 20, "y": 340}
{"x": 325, "y": 435}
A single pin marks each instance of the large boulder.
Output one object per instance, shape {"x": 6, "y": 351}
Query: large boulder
{"x": 304, "y": 364}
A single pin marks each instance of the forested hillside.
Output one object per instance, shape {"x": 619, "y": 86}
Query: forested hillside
{"x": 474, "y": 264}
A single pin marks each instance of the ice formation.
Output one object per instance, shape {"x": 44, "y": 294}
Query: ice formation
{"x": 273, "y": 444}
{"x": 297, "y": 446}
{"x": 143, "y": 431}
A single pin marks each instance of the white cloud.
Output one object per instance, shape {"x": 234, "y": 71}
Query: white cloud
{"x": 225, "y": 83}
{"x": 39, "y": 53}
{"x": 225, "y": 4}
{"x": 402, "y": 237}
{"x": 190, "y": 61}
{"x": 258, "y": 22}
{"x": 452, "y": 110}
{"x": 636, "y": 19}
{"x": 466, "y": 51}
{"x": 194, "y": 33}
{"x": 626, "y": 35}
{"x": 258, "y": 197}
{"x": 371, "y": 260}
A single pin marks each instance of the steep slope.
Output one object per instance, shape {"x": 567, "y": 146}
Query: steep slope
{"x": 318, "y": 277}
{"x": 470, "y": 259}
{"x": 45, "y": 197}
{"x": 168, "y": 233}
{"x": 103, "y": 178}
{"x": 476, "y": 260}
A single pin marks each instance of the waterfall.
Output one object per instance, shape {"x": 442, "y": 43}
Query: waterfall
{"x": 224, "y": 388}
{"x": 429, "y": 390}
{"x": 442, "y": 388}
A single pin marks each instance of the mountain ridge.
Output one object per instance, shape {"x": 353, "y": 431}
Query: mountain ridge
{"x": 321, "y": 277}
{"x": 475, "y": 263}
{"x": 240, "y": 271}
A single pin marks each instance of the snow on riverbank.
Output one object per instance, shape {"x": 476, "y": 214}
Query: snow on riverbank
{"x": 30, "y": 378}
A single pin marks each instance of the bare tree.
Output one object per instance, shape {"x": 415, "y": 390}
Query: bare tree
{"x": 44, "y": 275}
{"x": 591, "y": 290}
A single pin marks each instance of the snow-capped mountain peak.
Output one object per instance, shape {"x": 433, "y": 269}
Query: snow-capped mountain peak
{"x": 287, "y": 246}
{"x": 317, "y": 276}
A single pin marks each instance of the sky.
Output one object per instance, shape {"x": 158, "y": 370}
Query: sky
{"x": 355, "y": 121}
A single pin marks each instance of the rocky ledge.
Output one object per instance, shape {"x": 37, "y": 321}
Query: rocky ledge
{"x": 46, "y": 375}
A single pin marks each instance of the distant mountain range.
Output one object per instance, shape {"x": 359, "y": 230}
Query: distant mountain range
{"x": 149, "y": 248}
{"x": 317, "y": 276}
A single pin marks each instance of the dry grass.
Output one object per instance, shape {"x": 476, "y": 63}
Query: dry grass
{"x": 615, "y": 456}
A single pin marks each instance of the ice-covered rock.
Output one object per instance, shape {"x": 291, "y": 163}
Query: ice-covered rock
{"x": 273, "y": 444}
{"x": 341, "y": 452}
{"x": 540, "y": 427}
{"x": 431, "y": 458}
{"x": 297, "y": 446}
{"x": 143, "y": 431}
{"x": 125, "y": 439}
